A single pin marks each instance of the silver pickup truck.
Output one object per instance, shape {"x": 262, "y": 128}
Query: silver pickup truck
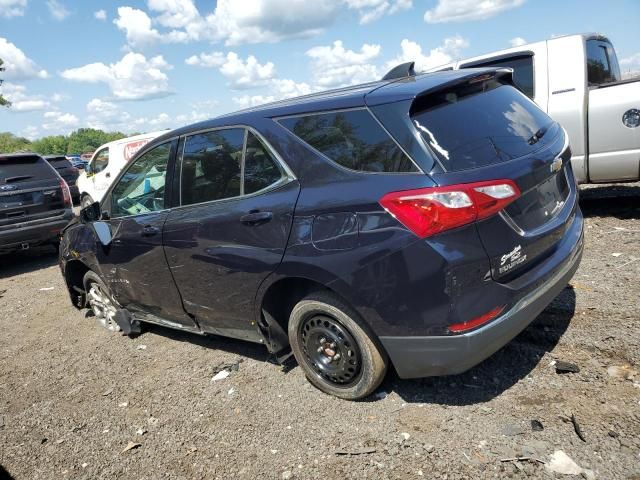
{"x": 576, "y": 79}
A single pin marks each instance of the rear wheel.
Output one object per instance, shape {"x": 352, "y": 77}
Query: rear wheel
{"x": 334, "y": 347}
{"x": 100, "y": 301}
{"x": 86, "y": 200}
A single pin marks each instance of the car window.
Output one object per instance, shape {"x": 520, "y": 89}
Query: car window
{"x": 211, "y": 166}
{"x": 142, "y": 188}
{"x": 522, "y": 70}
{"x": 100, "y": 161}
{"x": 22, "y": 168}
{"x": 602, "y": 63}
{"x": 480, "y": 124}
{"x": 261, "y": 169}
{"x": 351, "y": 138}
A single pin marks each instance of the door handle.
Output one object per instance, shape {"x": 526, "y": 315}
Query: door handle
{"x": 149, "y": 231}
{"x": 256, "y": 218}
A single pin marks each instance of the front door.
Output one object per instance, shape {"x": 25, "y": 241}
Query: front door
{"x": 142, "y": 280}
{"x": 231, "y": 230}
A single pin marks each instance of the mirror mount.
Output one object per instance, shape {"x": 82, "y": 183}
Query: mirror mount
{"x": 90, "y": 213}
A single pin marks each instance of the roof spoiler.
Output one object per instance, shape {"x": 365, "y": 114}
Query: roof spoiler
{"x": 401, "y": 71}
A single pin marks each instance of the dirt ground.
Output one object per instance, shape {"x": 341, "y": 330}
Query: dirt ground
{"x": 73, "y": 396}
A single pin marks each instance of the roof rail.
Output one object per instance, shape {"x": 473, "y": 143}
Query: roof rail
{"x": 401, "y": 71}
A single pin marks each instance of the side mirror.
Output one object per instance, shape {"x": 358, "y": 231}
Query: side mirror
{"x": 90, "y": 213}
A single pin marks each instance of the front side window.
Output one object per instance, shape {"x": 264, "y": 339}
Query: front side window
{"x": 351, "y": 138}
{"x": 522, "y": 70}
{"x": 212, "y": 166}
{"x": 602, "y": 63}
{"x": 142, "y": 188}
{"x": 100, "y": 161}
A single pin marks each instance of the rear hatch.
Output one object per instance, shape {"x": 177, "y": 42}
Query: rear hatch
{"x": 64, "y": 168}
{"x": 484, "y": 129}
{"x": 30, "y": 190}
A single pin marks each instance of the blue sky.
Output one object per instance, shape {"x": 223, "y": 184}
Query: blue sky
{"x": 153, "y": 64}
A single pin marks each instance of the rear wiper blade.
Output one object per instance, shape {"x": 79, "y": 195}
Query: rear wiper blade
{"x": 537, "y": 136}
{"x": 17, "y": 178}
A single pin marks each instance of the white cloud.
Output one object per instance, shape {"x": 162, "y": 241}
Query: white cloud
{"x": 60, "y": 122}
{"x": 31, "y": 132}
{"x": 242, "y": 74}
{"x": 21, "y": 101}
{"x": 372, "y": 10}
{"x": 17, "y": 65}
{"x": 137, "y": 26}
{"x": 468, "y": 10}
{"x": 132, "y": 78}
{"x": 517, "y": 42}
{"x": 100, "y": 15}
{"x": 336, "y": 66}
{"x": 175, "y": 13}
{"x": 445, "y": 53}
{"x": 211, "y": 60}
{"x": 57, "y": 10}
{"x": 12, "y": 8}
{"x": 279, "y": 88}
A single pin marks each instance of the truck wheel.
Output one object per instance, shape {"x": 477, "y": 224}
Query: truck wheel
{"x": 334, "y": 347}
{"x": 86, "y": 200}
{"x": 100, "y": 301}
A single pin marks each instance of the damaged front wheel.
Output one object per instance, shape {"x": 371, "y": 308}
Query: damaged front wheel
{"x": 100, "y": 302}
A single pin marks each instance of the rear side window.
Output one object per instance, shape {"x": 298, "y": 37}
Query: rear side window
{"x": 602, "y": 63}
{"x": 24, "y": 168}
{"x": 59, "y": 163}
{"x": 211, "y": 166}
{"x": 522, "y": 70}
{"x": 480, "y": 124}
{"x": 261, "y": 169}
{"x": 351, "y": 138}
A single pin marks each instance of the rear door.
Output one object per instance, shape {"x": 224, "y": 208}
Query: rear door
{"x": 30, "y": 190}
{"x": 237, "y": 200}
{"x": 614, "y": 108}
{"x": 487, "y": 130}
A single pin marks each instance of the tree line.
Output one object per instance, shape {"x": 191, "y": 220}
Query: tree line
{"x": 79, "y": 141}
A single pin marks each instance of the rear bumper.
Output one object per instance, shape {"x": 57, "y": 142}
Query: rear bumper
{"x": 425, "y": 356}
{"x": 33, "y": 233}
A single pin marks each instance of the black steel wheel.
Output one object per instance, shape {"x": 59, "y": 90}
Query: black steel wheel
{"x": 330, "y": 349}
{"x": 336, "y": 349}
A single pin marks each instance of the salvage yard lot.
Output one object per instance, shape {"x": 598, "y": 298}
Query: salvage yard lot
{"x": 74, "y": 396}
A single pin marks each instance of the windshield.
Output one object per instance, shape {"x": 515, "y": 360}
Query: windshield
{"x": 480, "y": 124}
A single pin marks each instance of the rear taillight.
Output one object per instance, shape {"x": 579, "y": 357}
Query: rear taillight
{"x": 428, "y": 211}
{"x": 476, "y": 322}
{"x": 66, "y": 194}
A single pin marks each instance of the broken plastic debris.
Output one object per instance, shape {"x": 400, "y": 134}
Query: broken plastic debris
{"x": 123, "y": 404}
{"x": 616, "y": 254}
{"x": 141, "y": 347}
{"x": 231, "y": 390}
{"x": 560, "y": 462}
{"x": 221, "y": 375}
{"x": 141, "y": 431}
{"x": 131, "y": 446}
{"x": 405, "y": 435}
{"x": 46, "y": 289}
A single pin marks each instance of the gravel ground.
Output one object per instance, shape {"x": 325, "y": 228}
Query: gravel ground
{"x": 74, "y": 396}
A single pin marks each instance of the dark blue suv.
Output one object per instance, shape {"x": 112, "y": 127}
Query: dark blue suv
{"x": 420, "y": 222}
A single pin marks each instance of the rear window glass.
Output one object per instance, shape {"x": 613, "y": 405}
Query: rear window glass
{"x": 602, "y": 63}
{"x": 351, "y": 138}
{"x": 481, "y": 124}
{"x": 59, "y": 162}
{"x": 522, "y": 71}
{"x": 24, "y": 168}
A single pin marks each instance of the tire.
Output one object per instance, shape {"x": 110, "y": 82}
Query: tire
{"x": 85, "y": 201}
{"x": 349, "y": 364}
{"x": 100, "y": 301}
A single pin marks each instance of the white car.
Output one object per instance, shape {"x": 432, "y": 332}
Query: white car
{"x": 106, "y": 164}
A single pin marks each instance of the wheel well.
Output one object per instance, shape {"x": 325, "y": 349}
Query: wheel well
{"x": 74, "y": 274}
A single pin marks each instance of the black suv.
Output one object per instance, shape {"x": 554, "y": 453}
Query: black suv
{"x": 67, "y": 171}
{"x": 35, "y": 202}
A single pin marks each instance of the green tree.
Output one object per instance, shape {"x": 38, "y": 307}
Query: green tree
{"x": 9, "y": 143}
{"x": 3, "y": 101}
{"x": 52, "y": 145}
{"x": 88, "y": 139}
